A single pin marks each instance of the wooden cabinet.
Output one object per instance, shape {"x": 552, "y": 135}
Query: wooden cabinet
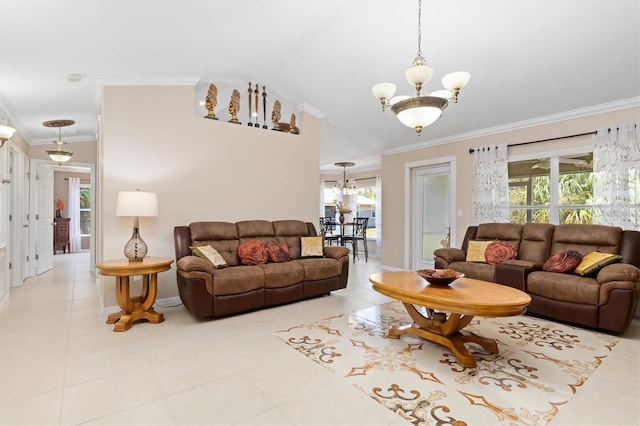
{"x": 61, "y": 234}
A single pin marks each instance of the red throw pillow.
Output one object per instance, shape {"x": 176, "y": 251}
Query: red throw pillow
{"x": 499, "y": 252}
{"x": 565, "y": 261}
{"x": 278, "y": 252}
{"x": 252, "y": 252}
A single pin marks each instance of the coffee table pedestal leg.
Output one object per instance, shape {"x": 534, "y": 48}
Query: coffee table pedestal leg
{"x": 437, "y": 327}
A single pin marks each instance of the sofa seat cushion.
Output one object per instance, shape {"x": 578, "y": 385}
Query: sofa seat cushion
{"x": 478, "y": 271}
{"x": 282, "y": 274}
{"x": 236, "y": 280}
{"x": 564, "y": 287}
{"x": 319, "y": 268}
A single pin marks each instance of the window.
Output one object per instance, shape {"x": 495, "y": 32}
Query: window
{"x": 365, "y": 206}
{"x": 85, "y": 210}
{"x": 552, "y": 190}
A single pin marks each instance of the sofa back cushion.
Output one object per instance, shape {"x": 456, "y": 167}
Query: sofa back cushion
{"x": 536, "y": 242}
{"x": 222, "y": 236}
{"x": 289, "y": 232}
{"x": 511, "y": 232}
{"x": 586, "y": 238}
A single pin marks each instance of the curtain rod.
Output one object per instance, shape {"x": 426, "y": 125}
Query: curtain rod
{"x": 366, "y": 178}
{"x": 86, "y": 180}
{"x": 471, "y": 150}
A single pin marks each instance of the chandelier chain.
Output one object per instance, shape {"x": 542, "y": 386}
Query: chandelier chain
{"x": 419, "y": 27}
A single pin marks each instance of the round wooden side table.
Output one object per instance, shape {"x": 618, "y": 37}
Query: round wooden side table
{"x": 140, "y": 307}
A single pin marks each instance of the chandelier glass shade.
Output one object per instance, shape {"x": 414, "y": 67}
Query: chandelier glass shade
{"x": 59, "y": 154}
{"x": 419, "y": 111}
{"x": 5, "y": 133}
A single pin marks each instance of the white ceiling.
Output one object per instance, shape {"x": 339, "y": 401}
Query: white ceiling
{"x": 527, "y": 59}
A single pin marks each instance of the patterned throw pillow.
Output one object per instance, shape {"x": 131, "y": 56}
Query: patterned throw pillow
{"x": 595, "y": 261}
{"x": 475, "y": 251}
{"x": 210, "y": 254}
{"x": 252, "y": 252}
{"x": 563, "y": 262}
{"x": 278, "y": 252}
{"x": 311, "y": 247}
{"x": 499, "y": 252}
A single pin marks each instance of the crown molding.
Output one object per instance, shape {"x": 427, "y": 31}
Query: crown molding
{"x": 524, "y": 124}
{"x": 149, "y": 80}
{"x": 71, "y": 139}
{"x": 312, "y": 110}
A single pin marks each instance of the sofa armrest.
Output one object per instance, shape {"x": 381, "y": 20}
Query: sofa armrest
{"x": 619, "y": 272}
{"x": 336, "y": 252}
{"x": 450, "y": 254}
{"x": 194, "y": 264}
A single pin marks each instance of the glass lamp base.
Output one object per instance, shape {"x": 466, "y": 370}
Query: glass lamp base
{"x": 136, "y": 249}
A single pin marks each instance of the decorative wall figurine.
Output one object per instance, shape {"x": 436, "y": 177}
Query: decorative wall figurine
{"x": 234, "y": 106}
{"x": 256, "y": 93}
{"x": 292, "y": 124}
{"x": 264, "y": 107}
{"x": 211, "y": 101}
{"x": 250, "y": 124}
{"x": 275, "y": 115}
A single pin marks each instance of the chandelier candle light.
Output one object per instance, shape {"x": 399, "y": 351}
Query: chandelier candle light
{"x": 136, "y": 204}
{"x": 59, "y": 155}
{"x": 419, "y": 111}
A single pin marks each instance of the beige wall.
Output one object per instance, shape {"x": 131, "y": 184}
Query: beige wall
{"x": 393, "y": 171}
{"x": 201, "y": 169}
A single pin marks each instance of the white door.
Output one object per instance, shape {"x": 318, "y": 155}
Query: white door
{"x": 24, "y": 220}
{"x": 431, "y": 212}
{"x": 15, "y": 219}
{"x": 42, "y": 211}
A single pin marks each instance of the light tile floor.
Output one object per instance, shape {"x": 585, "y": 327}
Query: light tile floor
{"x": 61, "y": 364}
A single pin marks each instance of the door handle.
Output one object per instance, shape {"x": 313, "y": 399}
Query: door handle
{"x": 25, "y": 226}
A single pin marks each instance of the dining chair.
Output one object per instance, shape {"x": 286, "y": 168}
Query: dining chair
{"x": 327, "y": 228}
{"x": 359, "y": 233}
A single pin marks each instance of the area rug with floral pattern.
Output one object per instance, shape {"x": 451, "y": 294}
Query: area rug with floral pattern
{"x": 539, "y": 367}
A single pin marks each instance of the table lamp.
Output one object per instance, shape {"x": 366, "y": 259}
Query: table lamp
{"x": 136, "y": 204}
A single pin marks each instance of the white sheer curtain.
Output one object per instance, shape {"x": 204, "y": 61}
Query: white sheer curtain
{"x": 74, "y": 214}
{"x": 616, "y": 176}
{"x": 490, "y": 191}
{"x": 379, "y": 216}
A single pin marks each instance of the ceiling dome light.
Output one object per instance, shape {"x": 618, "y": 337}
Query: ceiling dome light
{"x": 59, "y": 155}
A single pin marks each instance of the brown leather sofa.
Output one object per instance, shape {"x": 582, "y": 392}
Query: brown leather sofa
{"x": 606, "y": 301}
{"x": 207, "y": 292}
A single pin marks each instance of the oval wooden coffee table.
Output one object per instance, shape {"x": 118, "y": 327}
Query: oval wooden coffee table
{"x": 449, "y": 309}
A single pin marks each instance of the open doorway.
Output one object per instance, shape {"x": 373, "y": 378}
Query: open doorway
{"x": 54, "y": 202}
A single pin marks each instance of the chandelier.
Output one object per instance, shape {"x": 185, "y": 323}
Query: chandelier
{"x": 419, "y": 111}
{"x": 59, "y": 155}
{"x": 346, "y": 187}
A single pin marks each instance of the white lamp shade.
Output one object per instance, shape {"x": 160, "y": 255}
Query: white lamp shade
{"x": 419, "y": 74}
{"x": 456, "y": 80}
{"x": 137, "y": 203}
{"x": 420, "y": 116}
{"x": 445, "y": 94}
{"x": 383, "y": 90}
{"x": 6, "y": 132}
